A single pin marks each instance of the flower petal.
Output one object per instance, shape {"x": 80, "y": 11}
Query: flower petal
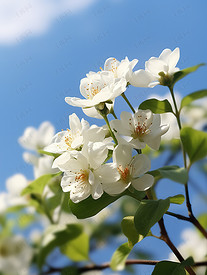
{"x": 141, "y": 78}
{"x": 115, "y": 188}
{"x": 143, "y": 183}
{"x": 140, "y": 165}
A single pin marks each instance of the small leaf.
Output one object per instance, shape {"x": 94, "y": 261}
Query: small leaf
{"x": 173, "y": 172}
{"x": 25, "y": 220}
{"x": 119, "y": 257}
{"x": 148, "y": 213}
{"x": 193, "y": 96}
{"x": 129, "y": 230}
{"x": 195, "y": 143}
{"x": 156, "y": 106}
{"x": 56, "y": 236}
{"x": 180, "y": 74}
{"x": 55, "y": 155}
{"x": 178, "y": 199}
{"x": 77, "y": 249}
{"x": 37, "y": 186}
{"x": 90, "y": 207}
{"x": 169, "y": 268}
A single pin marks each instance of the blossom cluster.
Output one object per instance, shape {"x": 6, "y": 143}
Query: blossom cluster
{"x": 85, "y": 151}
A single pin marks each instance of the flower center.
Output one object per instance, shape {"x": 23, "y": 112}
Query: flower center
{"x": 68, "y": 139}
{"x": 124, "y": 172}
{"x": 81, "y": 177}
{"x": 113, "y": 68}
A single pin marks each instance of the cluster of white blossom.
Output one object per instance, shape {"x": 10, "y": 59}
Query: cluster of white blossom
{"x": 85, "y": 150}
{"x": 34, "y": 140}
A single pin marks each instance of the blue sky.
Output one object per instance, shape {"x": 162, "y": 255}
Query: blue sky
{"x": 42, "y": 65}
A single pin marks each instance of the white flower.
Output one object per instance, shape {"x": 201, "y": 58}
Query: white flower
{"x": 98, "y": 88}
{"x": 15, "y": 256}
{"x": 121, "y": 69}
{"x": 164, "y": 64}
{"x": 14, "y": 185}
{"x": 71, "y": 139}
{"x": 34, "y": 139}
{"x": 192, "y": 245}
{"x": 129, "y": 171}
{"x": 81, "y": 173}
{"x": 169, "y": 118}
{"x": 142, "y": 128}
{"x": 41, "y": 164}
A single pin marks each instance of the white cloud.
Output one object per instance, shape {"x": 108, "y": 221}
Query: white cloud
{"x": 20, "y": 19}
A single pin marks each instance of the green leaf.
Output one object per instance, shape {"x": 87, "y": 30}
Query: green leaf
{"x": 90, "y": 207}
{"x": 180, "y": 74}
{"x": 119, "y": 257}
{"x": 129, "y": 230}
{"x": 178, "y": 199}
{"x": 55, "y": 155}
{"x": 77, "y": 249}
{"x": 195, "y": 143}
{"x": 56, "y": 236}
{"x": 37, "y": 186}
{"x": 193, "y": 96}
{"x": 203, "y": 220}
{"x": 148, "y": 213}
{"x": 169, "y": 268}
{"x": 25, "y": 220}
{"x": 173, "y": 172}
{"x": 156, "y": 106}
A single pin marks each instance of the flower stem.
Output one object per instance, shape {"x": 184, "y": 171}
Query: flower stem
{"x": 110, "y": 130}
{"x": 113, "y": 113}
{"x": 127, "y": 101}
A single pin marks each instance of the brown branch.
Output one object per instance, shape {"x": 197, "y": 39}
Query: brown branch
{"x": 164, "y": 236}
{"x": 107, "y": 265}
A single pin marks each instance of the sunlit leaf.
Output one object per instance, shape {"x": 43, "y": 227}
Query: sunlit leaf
{"x": 56, "y": 236}
{"x": 180, "y": 74}
{"x": 77, "y": 249}
{"x": 195, "y": 143}
{"x": 119, "y": 257}
{"x": 177, "y": 199}
{"x": 174, "y": 173}
{"x": 156, "y": 106}
{"x": 193, "y": 96}
{"x": 37, "y": 186}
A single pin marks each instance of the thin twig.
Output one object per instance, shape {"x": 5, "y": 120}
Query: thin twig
{"x": 107, "y": 265}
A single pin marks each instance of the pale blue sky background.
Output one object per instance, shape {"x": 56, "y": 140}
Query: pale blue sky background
{"x": 41, "y": 66}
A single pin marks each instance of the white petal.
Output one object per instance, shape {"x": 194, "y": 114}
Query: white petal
{"x": 165, "y": 55}
{"x": 140, "y": 165}
{"x": 173, "y": 58}
{"x": 108, "y": 173}
{"x": 116, "y": 188}
{"x": 122, "y": 155}
{"x": 30, "y": 158}
{"x": 92, "y": 112}
{"x": 62, "y": 161}
{"x": 111, "y": 64}
{"x": 74, "y": 123}
{"x": 155, "y": 66}
{"x": 29, "y": 139}
{"x": 16, "y": 184}
{"x": 141, "y": 78}
{"x": 143, "y": 183}
{"x": 97, "y": 153}
{"x": 45, "y": 133}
